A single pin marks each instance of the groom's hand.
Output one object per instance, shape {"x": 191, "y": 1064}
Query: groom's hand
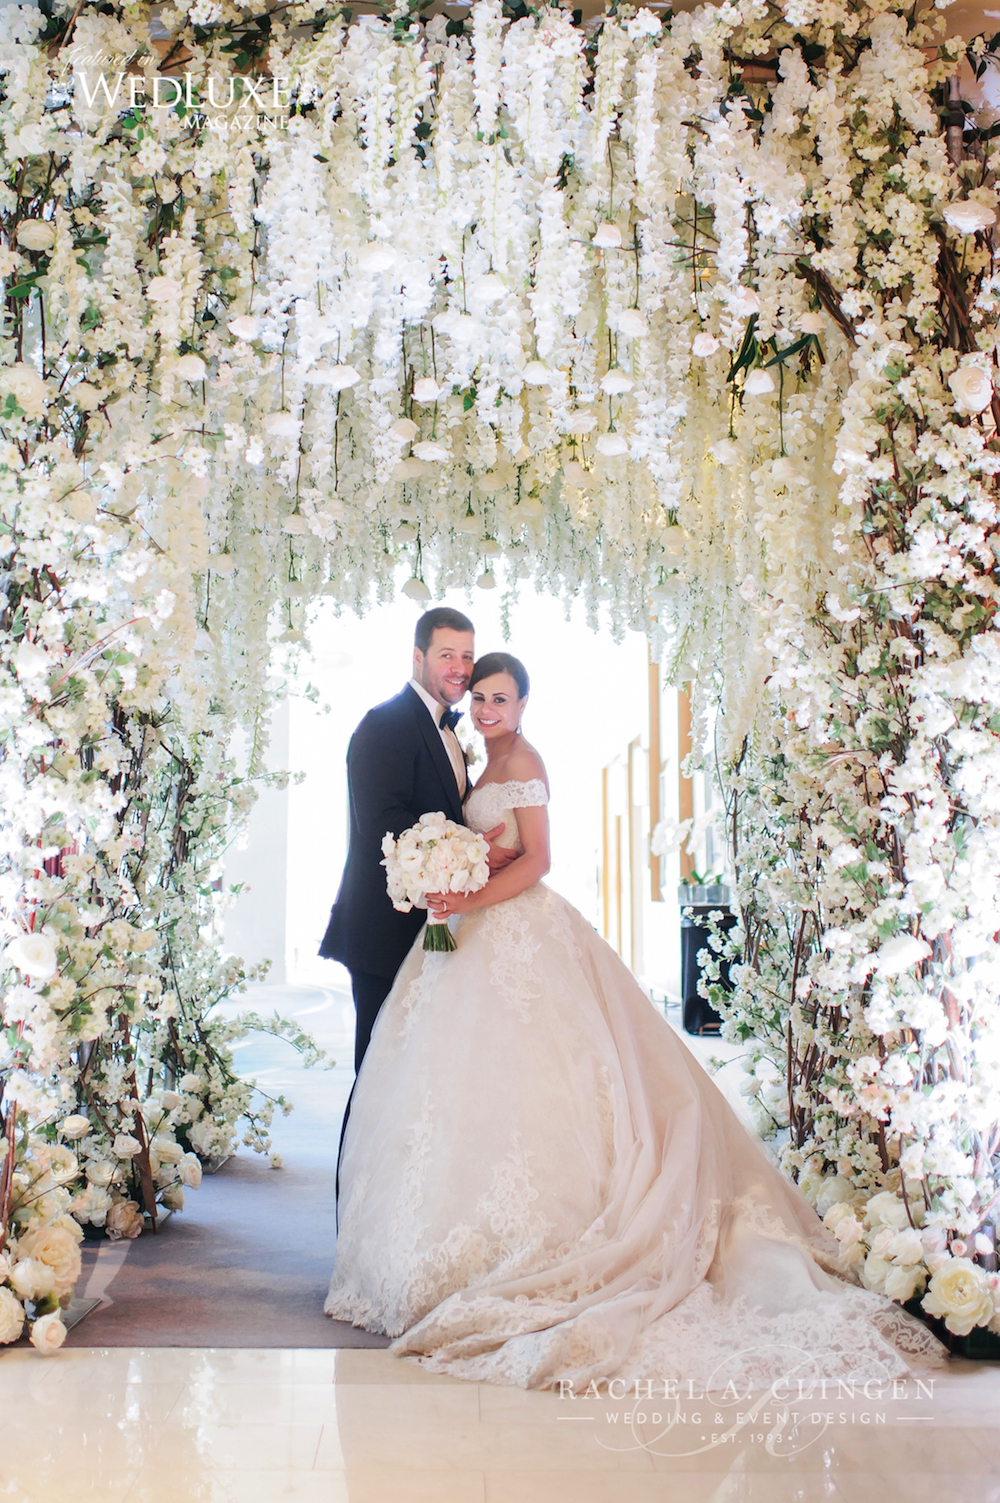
{"x": 500, "y": 855}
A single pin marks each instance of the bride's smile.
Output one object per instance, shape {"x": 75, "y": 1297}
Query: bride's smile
{"x": 496, "y": 708}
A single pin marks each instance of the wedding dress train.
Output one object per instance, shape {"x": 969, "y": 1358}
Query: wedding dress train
{"x": 540, "y": 1182}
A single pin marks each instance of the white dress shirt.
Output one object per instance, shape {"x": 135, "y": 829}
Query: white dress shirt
{"x": 452, "y": 745}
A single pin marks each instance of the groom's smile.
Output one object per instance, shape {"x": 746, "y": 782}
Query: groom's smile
{"x": 445, "y": 668}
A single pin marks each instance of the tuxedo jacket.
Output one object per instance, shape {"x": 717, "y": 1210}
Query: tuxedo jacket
{"x": 397, "y": 770}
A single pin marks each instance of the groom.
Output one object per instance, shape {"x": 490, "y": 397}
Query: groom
{"x": 404, "y": 760}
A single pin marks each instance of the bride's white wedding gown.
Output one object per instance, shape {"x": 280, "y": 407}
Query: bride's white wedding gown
{"x": 540, "y": 1182}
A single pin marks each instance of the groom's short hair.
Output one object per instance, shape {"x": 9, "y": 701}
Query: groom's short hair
{"x": 441, "y": 615}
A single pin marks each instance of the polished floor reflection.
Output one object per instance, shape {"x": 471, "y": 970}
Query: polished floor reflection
{"x": 201, "y": 1426}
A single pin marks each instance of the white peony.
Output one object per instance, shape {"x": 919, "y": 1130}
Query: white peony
{"x": 967, "y": 216}
{"x": 11, "y": 1316}
{"x": 34, "y": 955}
{"x": 960, "y": 1295}
{"x": 972, "y": 388}
{"x": 48, "y": 1334}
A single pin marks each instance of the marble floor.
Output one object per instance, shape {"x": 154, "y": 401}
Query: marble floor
{"x": 190, "y": 1426}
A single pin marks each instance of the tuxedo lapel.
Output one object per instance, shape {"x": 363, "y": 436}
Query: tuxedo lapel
{"x": 442, "y": 762}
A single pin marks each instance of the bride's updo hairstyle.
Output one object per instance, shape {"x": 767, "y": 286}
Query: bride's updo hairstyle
{"x": 501, "y": 662}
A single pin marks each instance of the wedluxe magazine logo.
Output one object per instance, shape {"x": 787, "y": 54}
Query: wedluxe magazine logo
{"x": 219, "y": 102}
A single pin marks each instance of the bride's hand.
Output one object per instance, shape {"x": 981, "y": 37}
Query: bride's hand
{"x": 442, "y": 904}
{"x": 500, "y": 855}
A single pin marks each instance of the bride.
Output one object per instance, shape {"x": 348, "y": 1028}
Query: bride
{"x": 541, "y": 1185}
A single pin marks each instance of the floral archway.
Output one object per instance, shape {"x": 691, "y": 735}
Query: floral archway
{"x": 696, "y": 318}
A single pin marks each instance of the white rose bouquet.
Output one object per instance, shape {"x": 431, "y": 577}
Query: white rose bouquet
{"x": 434, "y": 855}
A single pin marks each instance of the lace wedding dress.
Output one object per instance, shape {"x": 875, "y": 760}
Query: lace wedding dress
{"x": 540, "y": 1182}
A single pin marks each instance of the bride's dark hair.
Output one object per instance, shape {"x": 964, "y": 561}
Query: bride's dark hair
{"x": 502, "y": 662}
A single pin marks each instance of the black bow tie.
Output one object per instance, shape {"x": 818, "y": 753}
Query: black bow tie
{"x": 450, "y": 719}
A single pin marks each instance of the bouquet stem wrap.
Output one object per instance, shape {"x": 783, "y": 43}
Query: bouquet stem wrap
{"x": 434, "y": 855}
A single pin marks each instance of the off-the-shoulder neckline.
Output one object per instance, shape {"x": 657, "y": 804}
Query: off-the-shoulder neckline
{"x": 509, "y": 783}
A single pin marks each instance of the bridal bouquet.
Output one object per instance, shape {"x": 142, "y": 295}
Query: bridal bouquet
{"x": 434, "y": 855}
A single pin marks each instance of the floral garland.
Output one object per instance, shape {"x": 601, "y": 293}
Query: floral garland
{"x": 696, "y": 320}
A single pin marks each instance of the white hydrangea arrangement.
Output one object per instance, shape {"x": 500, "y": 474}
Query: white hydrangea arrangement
{"x": 695, "y": 320}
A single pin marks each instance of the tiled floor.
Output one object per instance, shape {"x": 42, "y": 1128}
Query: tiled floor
{"x": 188, "y": 1426}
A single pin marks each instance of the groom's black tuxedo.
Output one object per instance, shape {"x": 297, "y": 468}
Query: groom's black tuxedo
{"x": 397, "y": 770}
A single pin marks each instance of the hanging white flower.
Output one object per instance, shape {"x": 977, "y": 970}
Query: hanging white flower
{"x": 31, "y": 661}
{"x": 245, "y": 326}
{"x": 404, "y": 430}
{"x": 704, "y": 344}
{"x": 191, "y": 368}
{"x": 336, "y": 377}
{"x": 612, "y": 444}
{"x": 376, "y": 258}
{"x": 632, "y": 324}
{"x": 536, "y": 373}
{"x": 415, "y": 589}
{"x": 810, "y": 323}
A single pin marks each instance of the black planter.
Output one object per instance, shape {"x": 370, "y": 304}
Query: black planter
{"x": 981, "y": 1345}
{"x": 698, "y": 1015}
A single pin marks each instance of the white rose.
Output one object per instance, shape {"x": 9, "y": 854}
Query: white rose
{"x": 967, "y": 216}
{"x": 36, "y": 234}
{"x": 26, "y": 386}
{"x": 336, "y": 377}
{"x": 616, "y": 382}
{"x": 125, "y": 1146}
{"x": 899, "y": 954}
{"x": 166, "y": 1150}
{"x": 607, "y": 237}
{"x": 170, "y": 1101}
{"x": 245, "y": 326}
{"x": 33, "y": 954}
{"x": 426, "y": 390}
{"x": 56, "y": 1247}
{"x": 86, "y": 396}
{"x": 189, "y": 1170}
{"x": 431, "y": 453}
{"x": 972, "y": 388}
{"x": 874, "y": 1272}
{"x": 882, "y": 1241}
{"x": 704, "y": 345}
{"x": 612, "y": 444}
{"x": 48, "y": 1334}
{"x": 960, "y": 1294}
{"x": 415, "y": 589}
{"x": 887, "y": 1209}
{"x": 173, "y": 1198}
{"x": 32, "y": 1279}
{"x": 836, "y": 1214}
{"x": 906, "y": 1247}
{"x": 375, "y": 258}
{"x": 101, "y": 1173}
{"x": 405, "y": 430}
{"x": 189, "y": 1083}
{"x": 123, "y": 1220}
{"x": 632, "y": 324}
{"x": 758, "y": 383}
{"x": 848, "y": 1231}
{"x": 11, "y": 1317}
{"x": 810, "y": 323}
{"x": 163, "y": 290}
{"x": 902, "y": 1283}
{"x": 191, "y": 368}
{"x": 536, "y": 373}
{"x": 74, "y": 1128}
